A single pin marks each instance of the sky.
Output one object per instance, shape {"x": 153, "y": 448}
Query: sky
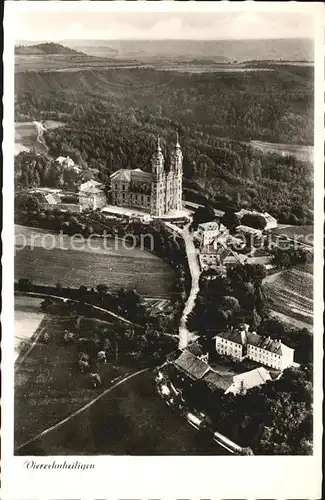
{"x": 161, "y": 25}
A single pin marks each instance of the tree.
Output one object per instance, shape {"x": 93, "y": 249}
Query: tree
{"x": 102, "y": 289}
{"x": 230, "y": 220}
{"x": 203, "y": 214}
{"x": 253, "y": 220}
{"x": 27, "y": 202}
{"x": 25, "y": 284}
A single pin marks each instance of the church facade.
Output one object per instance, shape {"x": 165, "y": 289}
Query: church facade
{"x": 158, "y": 192}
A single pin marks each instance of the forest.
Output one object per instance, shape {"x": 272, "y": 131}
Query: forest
{"x": 112, "y": 118}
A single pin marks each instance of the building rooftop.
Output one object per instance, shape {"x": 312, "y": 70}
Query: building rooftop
{"x": 52, "y": 198}
{"x": 91, "y": 186}
{"x": 252, "y": 378}
{"x": 244, "y": 211}
{"x": 195, "y": 349}
{"x": 233, "y": 335}
{"x": 248, "y": 229}
{"x": 209, "y": 226}
{"x": 194, "y": 367}
{"x": 216, "y": 381}
{"x": 252, "y": 338}
{"x": 131, "y": 175}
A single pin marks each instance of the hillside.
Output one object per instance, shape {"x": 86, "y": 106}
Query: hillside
{"x": 45, "y": 49}
{"x": 228, "y": 50}
{"x": 112, "y": 117}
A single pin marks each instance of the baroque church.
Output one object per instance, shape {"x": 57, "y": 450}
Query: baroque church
{"x": 158, "y": 192}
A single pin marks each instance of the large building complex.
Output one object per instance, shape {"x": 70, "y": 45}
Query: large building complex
{"x": 158, "y": 192}
{"x": 240, "y": 344}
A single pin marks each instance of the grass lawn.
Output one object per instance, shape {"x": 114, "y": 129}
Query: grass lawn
{"x": 48, "y": 384}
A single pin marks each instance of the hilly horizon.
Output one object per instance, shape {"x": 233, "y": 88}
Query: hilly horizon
{"x": 47, "y": 48}
{"x": 227, "y": 50}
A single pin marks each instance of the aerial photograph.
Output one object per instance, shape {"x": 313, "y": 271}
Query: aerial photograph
{"x": 164, "y": 222}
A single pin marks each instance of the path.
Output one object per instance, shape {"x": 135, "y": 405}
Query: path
{"x": 82, "y": 409}
{"x": 19, "y": 359}
{"x": 185, "y": 336}
{"x": 97, "y": 308}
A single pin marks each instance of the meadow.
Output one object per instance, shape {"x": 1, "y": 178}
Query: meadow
{"x": 131, "y": 420}
{"x": 148, "y": 276}
{"x": 48, "y": 384}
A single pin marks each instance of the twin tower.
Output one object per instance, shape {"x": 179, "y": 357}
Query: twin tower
{"x": 166, "y": 186}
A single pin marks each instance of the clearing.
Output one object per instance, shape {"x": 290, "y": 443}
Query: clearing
{"x": 26, "y": 136}
{"x": 302, "y": 153}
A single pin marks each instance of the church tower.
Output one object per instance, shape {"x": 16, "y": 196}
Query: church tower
{"x": 177, "y": 166}
{"x": 157, "y": 183}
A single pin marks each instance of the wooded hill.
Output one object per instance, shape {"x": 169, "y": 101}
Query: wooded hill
{"x": 113, "y": 117}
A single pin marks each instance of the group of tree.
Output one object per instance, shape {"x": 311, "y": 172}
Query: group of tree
{"x": 117, "y": 129}
{"x": 273, "y": 419}
{"x": 123, "y": 344}
{"x": 285, "y": 258}
{"x": 230, "y": 299}
{"x": 34, "y": 170}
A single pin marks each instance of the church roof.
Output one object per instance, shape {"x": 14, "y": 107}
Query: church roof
{"x": 129, "y": 175}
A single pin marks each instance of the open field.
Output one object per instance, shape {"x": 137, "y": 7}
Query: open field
{"x": 131, "y": 420}
{"x": 116, "y": 267}
{"x": 48, "y": 384}
{"x": 290, "y": 294}
{"x": 26, "y": 136}
{"x": 303, "y": 153}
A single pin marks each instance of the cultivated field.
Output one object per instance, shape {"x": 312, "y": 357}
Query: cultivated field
{"x": 115, "y": 267}
{"x": 290, "y": 294}
{"x": 26, "y": 136}
{"x": 302, "y": 234}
